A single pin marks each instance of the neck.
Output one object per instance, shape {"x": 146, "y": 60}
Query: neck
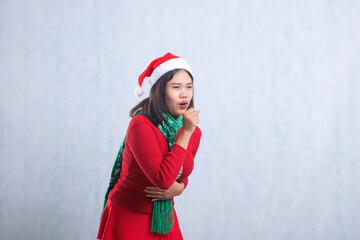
{"x": 175, "y": 116}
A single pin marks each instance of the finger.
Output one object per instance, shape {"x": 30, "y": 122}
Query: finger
{"x": 195, "y": 112}
{"x": 153, "y": 192}
{"x": 190, "y": 115}
{"x": 195, "y": 119}
{"x": 158, "y": 199}
{"x": 151, "y": 195}
{"x": 153, "y": 189}
{"x": 189, "y": 110}
{"x": 157, "y": 196}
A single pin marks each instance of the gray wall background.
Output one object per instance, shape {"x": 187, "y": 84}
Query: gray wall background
{"x": 277, "y": 83}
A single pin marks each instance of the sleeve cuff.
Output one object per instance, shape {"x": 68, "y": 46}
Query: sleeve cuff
{"x": 178, "y": 149}
{"x": 185, "y": 181}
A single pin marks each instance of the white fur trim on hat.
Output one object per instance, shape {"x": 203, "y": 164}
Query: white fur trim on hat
{"x": 175, "y": 63}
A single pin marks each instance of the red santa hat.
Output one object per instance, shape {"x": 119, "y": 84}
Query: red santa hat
{"x": 159, "y": 67}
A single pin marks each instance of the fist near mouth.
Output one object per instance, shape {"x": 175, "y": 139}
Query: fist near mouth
{"x": 190, "y": 119}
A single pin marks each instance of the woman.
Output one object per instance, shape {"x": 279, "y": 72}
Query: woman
{"x": 156, "y": 157}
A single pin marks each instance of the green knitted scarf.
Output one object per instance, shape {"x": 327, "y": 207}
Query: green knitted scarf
{"x": 162, "y": 216}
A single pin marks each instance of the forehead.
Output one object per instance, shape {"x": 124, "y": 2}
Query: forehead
{"x": 181, "y": 77}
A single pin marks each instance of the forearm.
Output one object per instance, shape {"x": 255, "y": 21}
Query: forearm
{"x": 162, "y": 170}
{"x": 161, "y": 194}
{"x": 183, "y": 138}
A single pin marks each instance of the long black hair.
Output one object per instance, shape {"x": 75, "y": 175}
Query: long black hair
{"x": 155, "y": 104}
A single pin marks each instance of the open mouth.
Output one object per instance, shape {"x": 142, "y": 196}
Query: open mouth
{"x": 183, "y": 105}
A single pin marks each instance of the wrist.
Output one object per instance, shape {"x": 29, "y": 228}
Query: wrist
{"x": 184, "y": 138}
{"x": 186, "y": 131}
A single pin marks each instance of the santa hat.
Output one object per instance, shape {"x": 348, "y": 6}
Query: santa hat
{"x": 159, "y": 67}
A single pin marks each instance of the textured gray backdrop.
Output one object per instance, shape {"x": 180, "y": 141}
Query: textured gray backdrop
{"x": 277, "y": 83}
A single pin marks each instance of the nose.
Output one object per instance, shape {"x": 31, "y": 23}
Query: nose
{"x": 183, "y": 94}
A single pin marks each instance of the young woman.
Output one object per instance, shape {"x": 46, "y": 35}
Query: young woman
{"x": 156, "y": 157}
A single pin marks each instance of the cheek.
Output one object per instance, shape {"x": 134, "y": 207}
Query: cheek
{"x": 171, "y": 102}
{"x": 169, "y": 99}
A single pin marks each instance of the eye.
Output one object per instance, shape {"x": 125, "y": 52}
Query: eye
{"x": 176, "y": 87}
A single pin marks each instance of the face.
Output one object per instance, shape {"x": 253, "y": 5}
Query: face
{"x": 179, "y": 92}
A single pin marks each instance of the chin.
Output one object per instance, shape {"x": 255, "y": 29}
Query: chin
{"x": 177, "y": 113}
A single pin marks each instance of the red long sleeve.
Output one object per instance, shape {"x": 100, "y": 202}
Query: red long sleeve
{"x": 161, "y": 170}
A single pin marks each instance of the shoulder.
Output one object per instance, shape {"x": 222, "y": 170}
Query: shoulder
{"x": 140, "y": 119}
{"x": 141, "y": 123}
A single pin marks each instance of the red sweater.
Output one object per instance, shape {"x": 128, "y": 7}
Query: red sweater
{"x": 147, "y": 161}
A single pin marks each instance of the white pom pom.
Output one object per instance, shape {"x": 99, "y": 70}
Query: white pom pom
{"x": 139, "y": 91}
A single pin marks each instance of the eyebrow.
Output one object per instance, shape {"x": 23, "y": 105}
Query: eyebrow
{"x": 180, "y": 83}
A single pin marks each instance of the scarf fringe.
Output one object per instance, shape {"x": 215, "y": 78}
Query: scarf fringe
{"x": 163, "y": 216}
